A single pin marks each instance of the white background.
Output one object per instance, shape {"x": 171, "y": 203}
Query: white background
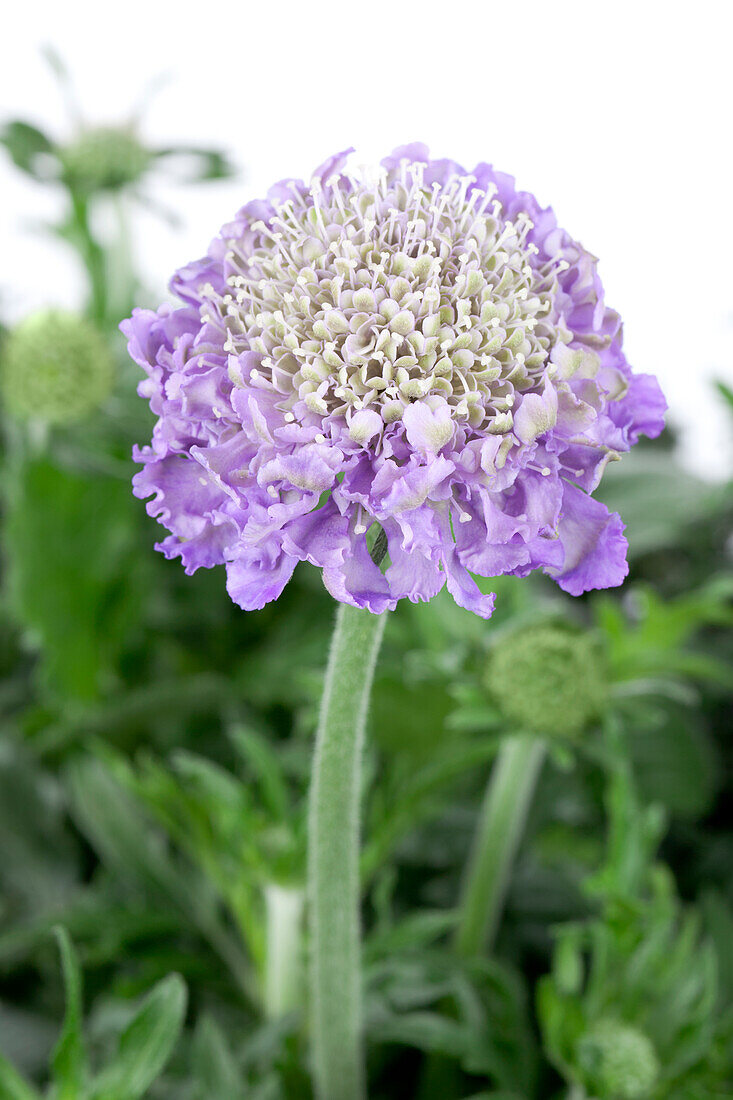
{"x": 616, "y": 114}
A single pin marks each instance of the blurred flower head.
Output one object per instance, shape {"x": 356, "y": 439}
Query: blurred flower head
{"x": 104, "y": 158}
{"x": 56, "y": 367}
{"x": 418, "y": 363}
{"x": 619, "y": 1060}
{"x": 547, "y": 680}
{"x": 100, "y": 158}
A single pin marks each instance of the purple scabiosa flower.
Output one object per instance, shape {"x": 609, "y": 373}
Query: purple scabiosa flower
{"x": 419, "y": 356}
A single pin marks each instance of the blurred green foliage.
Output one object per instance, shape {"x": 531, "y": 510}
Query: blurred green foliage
{"x": 98, "y": 167}
{"x": 154, "y": 758}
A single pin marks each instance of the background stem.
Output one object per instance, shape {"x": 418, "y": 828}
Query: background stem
{"x": 333, "y": 857}
{"x": 502, "y": 820}
{"x": 92, "y": 255}
{"x": 283, "y": 965}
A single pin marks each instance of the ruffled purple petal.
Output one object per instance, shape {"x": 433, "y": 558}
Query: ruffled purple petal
{"x": 594, "y": 544}
{"x": 642, "y": 410}
{"x": 463, "y": 588}
{"x": 359, "y": 582}
{"x": 258, "y": 577}
{"x": 263, "y": 456}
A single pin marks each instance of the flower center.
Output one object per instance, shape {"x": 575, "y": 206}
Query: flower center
{"x": 372, "y": 294}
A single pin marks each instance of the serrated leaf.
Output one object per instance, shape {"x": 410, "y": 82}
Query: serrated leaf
{"x": 146, "y": 1044}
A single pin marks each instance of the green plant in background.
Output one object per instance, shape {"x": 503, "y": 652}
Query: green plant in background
{"x": 547, "y": 682}
{"x": 166, "y": 892}
{"x": 180, "y": 844}
{"x": 633, "y": 1008}
{"x": 56, "y": 368}
{"x": 102, "y": 165}
{"x": 67, "y": 491}
{"x": 619, "y": 1061}
{"x": 248, "y": 838}
{"x": 104, "y": 159}
{"x": 139, "y": 1051}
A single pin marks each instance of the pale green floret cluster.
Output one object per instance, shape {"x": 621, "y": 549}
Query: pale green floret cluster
{"x": 372, "y": 296}
{"x": 56, "y": 368}
{"x": 620, "y": 1061}
{"x": 104, "y": 159}
{"x": 547, "y": 680}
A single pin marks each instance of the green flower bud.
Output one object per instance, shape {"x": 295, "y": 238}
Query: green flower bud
{"x": 56, "y": 368}
{"x": 619, "y": 1060}
{"x": 104, "y": 159}
{"x": 547, "y": 680}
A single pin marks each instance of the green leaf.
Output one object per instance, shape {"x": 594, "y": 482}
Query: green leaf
{"x": 260, "y": 757}
{"x": 418, "y": 930}
{"x": 657, "y": 498}
{"x": 25, "y": 144}
{"x": 719, "y": 922}
{"x": 409, "y": 718}
{"x": 726, "y": 393}
{"x": 495, "y": 1096}
{"x": 146, "y": 1044}
{"x": 562, "y": 1021}
{"x": 69, "y": 1060}
{"x": 70, "y": 546}
{"x": 214, "y": 1069}
{"x": 674, "y": 761}
{"x": 39, "y": 860}
{"x": 427, "y": 1031}
{"x": 113, "y": 822}
{"x": 117, "y": 826}
{"x": 13, "y": 1086}
{"x": 199, "y": 164}
{"x": 416, "y": 797}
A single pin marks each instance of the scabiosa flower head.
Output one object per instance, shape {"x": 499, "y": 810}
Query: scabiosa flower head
{"x": 56, "y": 367}
{"x": 104, "y": 158}
{"x": 620, "y": 1061}
{"x": 418, "y": 355}
{"x": 547, "y": 680}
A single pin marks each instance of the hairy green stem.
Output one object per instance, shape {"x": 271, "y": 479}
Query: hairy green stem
{"x": 333, "y": 857}
{"x": 503, "y": 816}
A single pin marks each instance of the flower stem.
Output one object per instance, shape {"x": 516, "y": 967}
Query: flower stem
{"x": 502, "y": 820}
{"x": 92, "y": 256}
{"x": 283, "y": 974}
{"x": 333, "y": 857}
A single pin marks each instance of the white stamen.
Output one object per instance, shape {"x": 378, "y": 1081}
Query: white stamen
{"x": 297, "y": 283}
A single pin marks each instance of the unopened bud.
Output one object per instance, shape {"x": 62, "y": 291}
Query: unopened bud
{"x": 104, "y": 159}
{"x": 56, "y": 368}
{"x": 547, "y": 680}
{"x": 619, "y": 1061}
